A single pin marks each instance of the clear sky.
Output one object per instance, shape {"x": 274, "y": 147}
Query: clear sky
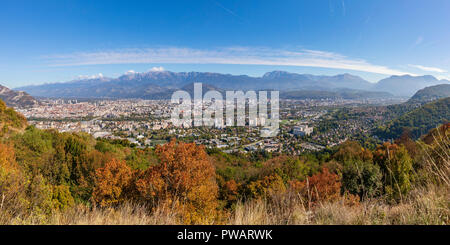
{"x": 53, "y": 41}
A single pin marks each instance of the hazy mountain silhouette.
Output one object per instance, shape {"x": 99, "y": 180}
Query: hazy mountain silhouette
{"x": 157, "y": 83}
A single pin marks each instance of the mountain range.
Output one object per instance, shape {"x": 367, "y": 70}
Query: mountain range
{"x": 407, "y": 85}
{"x": 158, "y": 84}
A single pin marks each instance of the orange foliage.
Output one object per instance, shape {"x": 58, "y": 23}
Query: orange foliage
{"x": 321, "y": 187}
{"x": 352, "y": 151}
{"x": 184, "y": 175}
{"x": 111, "y": 181}
{"x": 230, "y": 190}
{"x": 384, "y": 152}
{"x": 267, "y": 186}
{"x": 410, "y": 145}
{"x": 7, "y": 157}
{"x": 442, "y": 131}
{"x": 12, "y": 181}
{"x": 351, "y": 199}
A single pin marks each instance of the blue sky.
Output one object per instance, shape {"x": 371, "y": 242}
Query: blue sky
{"x": 54, "y": 41}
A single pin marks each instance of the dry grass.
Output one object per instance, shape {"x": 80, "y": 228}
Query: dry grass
{"x": 127, "y": 214}
{"x": 427, "y": 206}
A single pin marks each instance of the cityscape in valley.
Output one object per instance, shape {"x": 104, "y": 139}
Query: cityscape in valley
{"x": 309, "y": 118}
{"x": 304, "y": 116}
{"x": 345, "y": 120}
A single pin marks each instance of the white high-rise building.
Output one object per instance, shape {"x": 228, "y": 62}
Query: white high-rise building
{"x": 302, "y": 130}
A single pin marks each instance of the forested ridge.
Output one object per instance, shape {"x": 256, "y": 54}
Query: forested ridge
{"x": 431, "y": 93}
{"x": 416, "y": 120}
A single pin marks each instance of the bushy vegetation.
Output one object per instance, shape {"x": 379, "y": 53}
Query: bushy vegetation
{"x": 10, "y": 121}
{"x": 47, "y": 177}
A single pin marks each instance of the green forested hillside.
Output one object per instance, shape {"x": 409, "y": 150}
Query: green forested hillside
{"x": 10, "y": 120}
{"x": 418, "y": 121}
{"x": 431, "y": 93}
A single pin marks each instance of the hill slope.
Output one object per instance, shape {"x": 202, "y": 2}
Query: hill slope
{"x": 16, "y": 98}
{"x": 10, "y": 120}
{"x": 418, "y": 121}
{"x": 431, "y": 93}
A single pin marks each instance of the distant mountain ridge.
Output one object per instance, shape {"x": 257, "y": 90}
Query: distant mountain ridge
{"x": 295, "y": 94}
{"x": 292, "y": 81}
{"x": 155, "y": 84}
{"x": 338, "y": 94}
{"x": 16, "y": 98}
{"x": 407, "y": 85}
{"x": 150, "y": 84}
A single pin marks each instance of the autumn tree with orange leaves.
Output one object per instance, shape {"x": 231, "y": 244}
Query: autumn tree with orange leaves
{"x": 184, "y": 178}
{"x": 12, "y": 183}
{"x": 321, "y": 187}
{"x": 112, "y": 181}
{"x": 266, "y": 186}
{"x": 229, "y": 191}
